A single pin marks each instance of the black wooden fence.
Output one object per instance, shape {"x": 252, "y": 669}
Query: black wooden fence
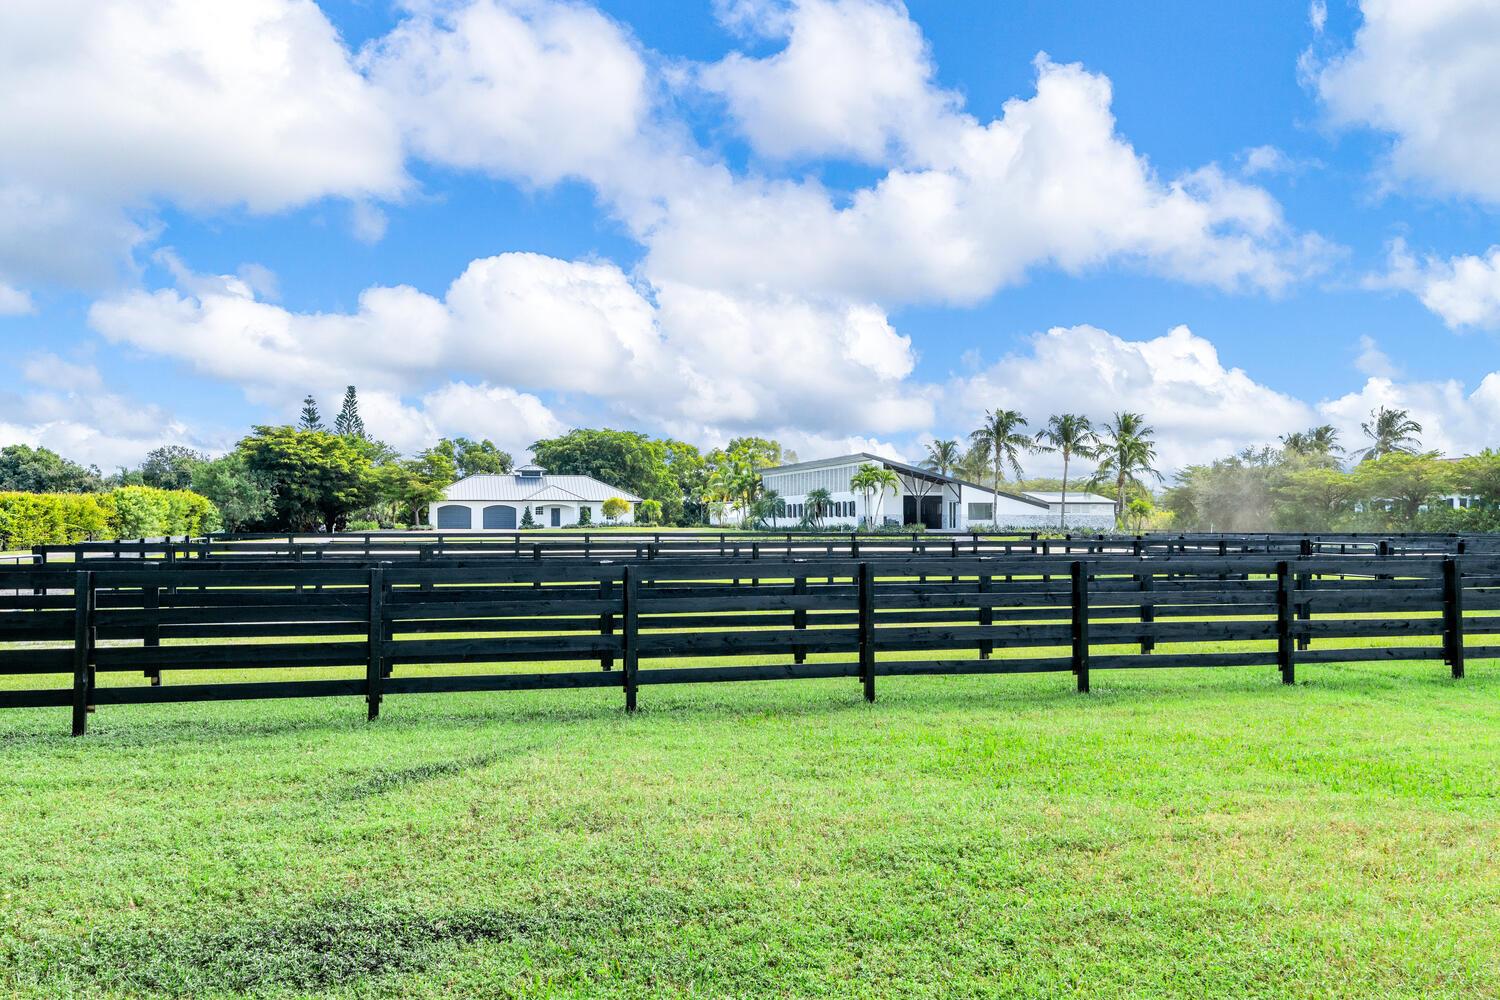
{"x": 496, "y": 625}
{"x": 423, "y": 546}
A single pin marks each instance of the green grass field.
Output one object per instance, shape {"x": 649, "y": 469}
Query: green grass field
{"x": 1176, "y": 833}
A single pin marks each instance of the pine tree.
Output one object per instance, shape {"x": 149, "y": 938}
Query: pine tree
{"x": 311, "y": 420}
{"x": 527, "y": 521}
{"x": 348, "y": 423}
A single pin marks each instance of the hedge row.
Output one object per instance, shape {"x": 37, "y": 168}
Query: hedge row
{"x": 28, "y": 519}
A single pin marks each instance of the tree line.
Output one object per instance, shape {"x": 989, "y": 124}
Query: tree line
{"x": 1306, "y": 481}
{"x": 311, "y": 476}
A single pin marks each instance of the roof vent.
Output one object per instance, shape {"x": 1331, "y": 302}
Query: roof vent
{"x": 530, "y": 472}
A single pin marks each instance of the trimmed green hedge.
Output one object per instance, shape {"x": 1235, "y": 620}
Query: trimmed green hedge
{"x": 28, "y": 519}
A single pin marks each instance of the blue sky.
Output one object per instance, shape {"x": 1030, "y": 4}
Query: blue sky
{"x": 845, "y": 223}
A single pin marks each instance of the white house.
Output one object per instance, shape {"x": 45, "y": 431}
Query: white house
{"x": 498, "y": 503}
{"x": 1085, "y": 510}
{"x": 937, "y": 502}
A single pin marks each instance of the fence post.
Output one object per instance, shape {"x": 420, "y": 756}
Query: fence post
{"x": 375, "y": 667}
{"x": 986, "y": 616}
{"x": 1304, "y": 610}
{"x": 83, "y": 648}
{"x": 152, "y": 632}
{"x": 1286, "y": 649}
{"x": 1148, "y": 612}
{"x": 630, "y": 656}
{"x": 1453, "y": 615}
{"x": 799, "y": 618}
{"x": 867, "y": 630}
{"x": 1081, "y": 625}
{"x": 606, "y": 623}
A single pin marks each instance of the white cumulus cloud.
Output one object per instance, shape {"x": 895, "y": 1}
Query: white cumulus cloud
{"x": 1427, "y": 74}
{"x": 1464, "y": 290}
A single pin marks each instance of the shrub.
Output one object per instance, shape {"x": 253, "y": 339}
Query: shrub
{"x": 28, "y": 519}
{"x": 362, "y": 525}
{"x": 585, "y": 516}
{"x": 649, "y": 512}
{"x": 527, "y": 521}
{"x": 614, "y": 508}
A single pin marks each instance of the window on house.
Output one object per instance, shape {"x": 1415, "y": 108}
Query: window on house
{"x": 981, "y": 511}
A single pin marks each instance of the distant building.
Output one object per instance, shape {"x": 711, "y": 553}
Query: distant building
{"x": 499, "y": 502}
{"x": 1461, "y": 500}
{"x": 923, "y": 497}
{"x": 1084, "y": 509}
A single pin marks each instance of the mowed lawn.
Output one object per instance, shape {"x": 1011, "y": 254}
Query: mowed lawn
{"x": 1203, "y": 833}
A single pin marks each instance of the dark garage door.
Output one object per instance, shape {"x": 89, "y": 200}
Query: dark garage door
{"x": 454, "y": 516}
{"x": 499, "y": 516}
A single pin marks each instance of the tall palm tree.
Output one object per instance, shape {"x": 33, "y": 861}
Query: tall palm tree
{"x": 1320, "y": 440}
{"x": 1068, "y": 434}
{"x": 1002, "y": 439}
{"x": 1125, "y": 453}
{"x": 818, "y": 503}
{"x": 873, "y": 481}
{"x": 942, "y": 457}
{"x": 1390, "y": 432}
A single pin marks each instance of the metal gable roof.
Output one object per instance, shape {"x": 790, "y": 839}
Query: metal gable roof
{"x": 510, "y": 488}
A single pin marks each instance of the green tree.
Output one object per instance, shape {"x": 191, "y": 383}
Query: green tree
{"x": 819, "y": 503}
{"x": 1479, "y": 476}
{"x": 1390, "y": 432}
{"x": 690, "y": 471}
{"x": 316, "y": 478}
{"x": 614, "y": 508}
{"x": 1321, "y": 442}
{"x": 735, "y": 476}
{"x": 873, "y": 482}
{"x": 1068, "y": 434}
{"x": 942, "y": 456}
{"x": 474, "y": 458}
{"x": 170, "y": 467}
{"x": 1310, "y": 496}
{"x": 419, "y": 482}
{"x": 1126, "y": 451}
{"x": 648, "y": 512}
{"x": 627, "y": 460}
{"x": 348, "y": 423}
{"x": 311, "y": 419}
{"x": 1001, "y": 439}
{"x": 585, "y": 515}
{"x": 527, "y": 521}
{"x": 243, "y": 498}
{"x": 1402, "y": 484}
{"x": 42, "y": 470}
{"x": 1138, "y": 512}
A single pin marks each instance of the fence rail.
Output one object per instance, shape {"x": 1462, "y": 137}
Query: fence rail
{"x": 425, "y": 546}
{"x": 461, "y": 624}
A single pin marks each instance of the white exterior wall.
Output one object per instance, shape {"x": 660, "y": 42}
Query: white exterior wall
{"x": 567, "y": 516}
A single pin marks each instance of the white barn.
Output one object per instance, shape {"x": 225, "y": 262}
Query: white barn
{"x": 937, "y": 502}
{"x": 499, "y": 502}
{"x": 1085, "y": 510}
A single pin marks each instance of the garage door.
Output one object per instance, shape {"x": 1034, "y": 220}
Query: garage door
{"x": 454, "y": 516}
{"x": 499, "y": 516}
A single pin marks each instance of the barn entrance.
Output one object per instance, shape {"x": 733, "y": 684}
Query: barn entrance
{"x": 926, "y": 511}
